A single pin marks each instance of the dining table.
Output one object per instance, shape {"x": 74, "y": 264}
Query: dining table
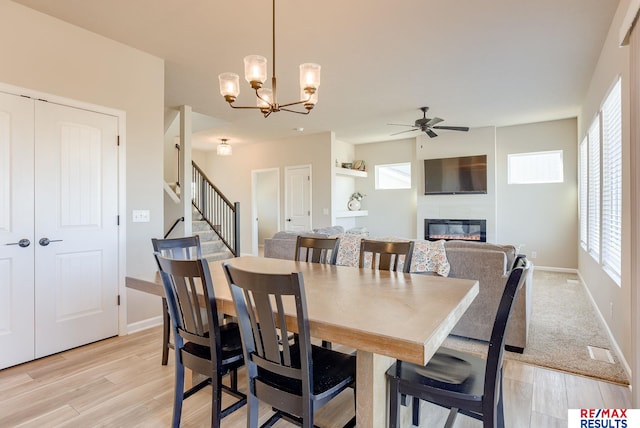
{"x": 385, "y": 316}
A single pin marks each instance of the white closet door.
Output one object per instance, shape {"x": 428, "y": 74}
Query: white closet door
{"x": 76, "y": 206}
{"x": 16, "y": 226}
{"x": 298, "y": 198}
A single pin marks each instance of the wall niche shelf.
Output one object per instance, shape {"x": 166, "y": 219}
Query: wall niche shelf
{"x": 359, "y": 213}
{"x": 350, "y": 172}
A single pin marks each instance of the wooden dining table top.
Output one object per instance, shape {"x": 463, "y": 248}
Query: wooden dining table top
{"x": 399, "y": 315}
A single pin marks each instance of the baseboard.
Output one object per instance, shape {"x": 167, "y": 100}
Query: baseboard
{"x": 554, "y": 269}
{"x": 614, "y": 343}
{"x": 144, "y": 324}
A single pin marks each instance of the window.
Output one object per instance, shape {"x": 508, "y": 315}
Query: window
{"x": 535, "y": 168}
{"x": 612, "y": 182}
{"x": 593, "y": 210}
{"x": 583, "y": 188}
{"x": 393, "y": 176}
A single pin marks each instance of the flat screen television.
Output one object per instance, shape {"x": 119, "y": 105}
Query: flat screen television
{"x": 452, "y": 176}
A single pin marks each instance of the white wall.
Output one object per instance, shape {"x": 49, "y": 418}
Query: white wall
{"x": 49, "y": 55}
{"x": 478, "y": 141}
{"x": 614, "y": 302}
{"x": 232, "y": 175}
{"x": 541, "y": 218}
{"x": 391, "y": 212}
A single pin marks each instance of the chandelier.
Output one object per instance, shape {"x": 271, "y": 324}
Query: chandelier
{"x": 255, "y": 73}
{"x": 223, "y": 149}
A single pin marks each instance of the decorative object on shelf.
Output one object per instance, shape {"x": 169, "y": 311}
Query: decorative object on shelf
{"x": 224, "y": 149}
{"x": 347, "y": 165}
{"x": 359, "y": 165}
{"x": 354, "y": 202}
{"x": 255, "y": 72}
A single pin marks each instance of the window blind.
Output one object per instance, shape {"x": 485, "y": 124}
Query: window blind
{"x": 593, "y": 229}
{"x": 582, "y": 193}
{"x": 612, "y": 182}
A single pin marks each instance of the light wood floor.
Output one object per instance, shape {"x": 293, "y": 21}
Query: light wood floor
{"x": 120, "y": 382}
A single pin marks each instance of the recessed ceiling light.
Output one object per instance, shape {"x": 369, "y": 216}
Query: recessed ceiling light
{"x": 299, "y": 129}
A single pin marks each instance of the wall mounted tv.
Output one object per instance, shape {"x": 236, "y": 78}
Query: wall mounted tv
{"x": 452, "y": 176}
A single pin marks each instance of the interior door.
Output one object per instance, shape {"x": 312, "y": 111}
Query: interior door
{"x": 298, "y": 198}
{"x": 16, "y": 230}
{"x": 76, "y": 230}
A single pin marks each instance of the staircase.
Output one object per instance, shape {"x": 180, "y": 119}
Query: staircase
{"x": 212, "y": 246}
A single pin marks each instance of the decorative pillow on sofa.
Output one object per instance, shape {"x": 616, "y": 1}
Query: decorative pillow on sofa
{"x": 430, "y": 256}
{"x": 349, "y": 250}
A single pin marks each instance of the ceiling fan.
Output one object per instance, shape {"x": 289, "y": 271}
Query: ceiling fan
{"x": 427, "y": 125}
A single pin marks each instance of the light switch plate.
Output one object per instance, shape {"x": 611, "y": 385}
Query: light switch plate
{"x": 141, "y": 216}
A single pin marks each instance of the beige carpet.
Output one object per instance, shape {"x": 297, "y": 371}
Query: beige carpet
{"x": 563, "y": 324}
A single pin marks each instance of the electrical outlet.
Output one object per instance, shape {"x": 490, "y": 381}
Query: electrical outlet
{"x": 534, "y": 254}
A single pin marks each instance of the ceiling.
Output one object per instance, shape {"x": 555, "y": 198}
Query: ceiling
{"x": 474, "y": 63}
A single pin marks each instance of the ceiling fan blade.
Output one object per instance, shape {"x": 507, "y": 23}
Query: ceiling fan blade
{"x": 402, "y": 132}
{"x": 453, "y": 128}
{"x": 400, "y": 124}
{"x": 430, "y": 133}
{"x": 434, "y": 121}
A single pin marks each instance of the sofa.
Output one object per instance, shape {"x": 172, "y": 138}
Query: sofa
{"x": 488, "y": 263}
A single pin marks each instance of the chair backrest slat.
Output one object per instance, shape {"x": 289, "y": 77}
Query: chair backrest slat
{"x": 386, "y": 255}
{"x": 316, "y": 250}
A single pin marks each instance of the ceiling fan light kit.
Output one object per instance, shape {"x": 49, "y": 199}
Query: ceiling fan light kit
{"x": 255, "y": 73}
{"x": 427, "y": 125}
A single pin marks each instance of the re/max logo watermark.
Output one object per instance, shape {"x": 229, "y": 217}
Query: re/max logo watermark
{"x": 603, "y": 418}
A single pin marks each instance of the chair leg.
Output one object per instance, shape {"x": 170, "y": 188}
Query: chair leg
{"x": 216, "y": 400}
{"x": 394, "y": 404}
{"x": 252, "y": 410}
{"x": 500, "y": 407}
{"x": 233, "y": 379}
{"x": 178, "y": 396}
{"x": 165, "y": 332}
{"x": 451, "y": 418}
{"x": 416, "y": 411}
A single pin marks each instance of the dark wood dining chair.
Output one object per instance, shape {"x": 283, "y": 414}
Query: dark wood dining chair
{"x": 316, "y": 250}
{"x": 174, "y": 248}
{"x": 462, "y": 382}
{"x": 386, "y": 255}
{"x": 201, "y": 343}
{"x": 295, "y": 378}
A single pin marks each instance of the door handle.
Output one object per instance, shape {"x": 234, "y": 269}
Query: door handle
{"x": 46, "y": 241}
{"x": 288, "y": 219}
{"x": 24, "y": 243}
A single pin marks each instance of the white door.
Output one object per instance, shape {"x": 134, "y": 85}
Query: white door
{"x": 16, "y": 230}
{"x": 298, "y": 198}
{"x": 76, "y": 228}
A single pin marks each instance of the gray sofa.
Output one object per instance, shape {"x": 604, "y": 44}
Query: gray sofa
{"x": 488, "y": 263}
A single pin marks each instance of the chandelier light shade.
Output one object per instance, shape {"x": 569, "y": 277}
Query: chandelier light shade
{"x": 255, "y": 73}
{"x": 224, "y": 149}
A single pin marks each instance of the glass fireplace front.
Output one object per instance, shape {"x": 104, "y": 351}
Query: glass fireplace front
{"x": 447, "y": 229}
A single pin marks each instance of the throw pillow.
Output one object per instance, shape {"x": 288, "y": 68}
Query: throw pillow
{"x": 430, "y": 256}
{"x": 349, "y": 250}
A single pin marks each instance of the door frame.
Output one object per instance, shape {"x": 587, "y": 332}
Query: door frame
{"x": 122, "y": 180}
{"x": 254, "y": 205}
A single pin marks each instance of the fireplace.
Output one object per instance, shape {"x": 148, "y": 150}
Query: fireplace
{"x": 467, "y": 230}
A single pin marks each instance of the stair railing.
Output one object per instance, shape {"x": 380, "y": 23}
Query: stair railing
{"x": 221, "y": 214}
